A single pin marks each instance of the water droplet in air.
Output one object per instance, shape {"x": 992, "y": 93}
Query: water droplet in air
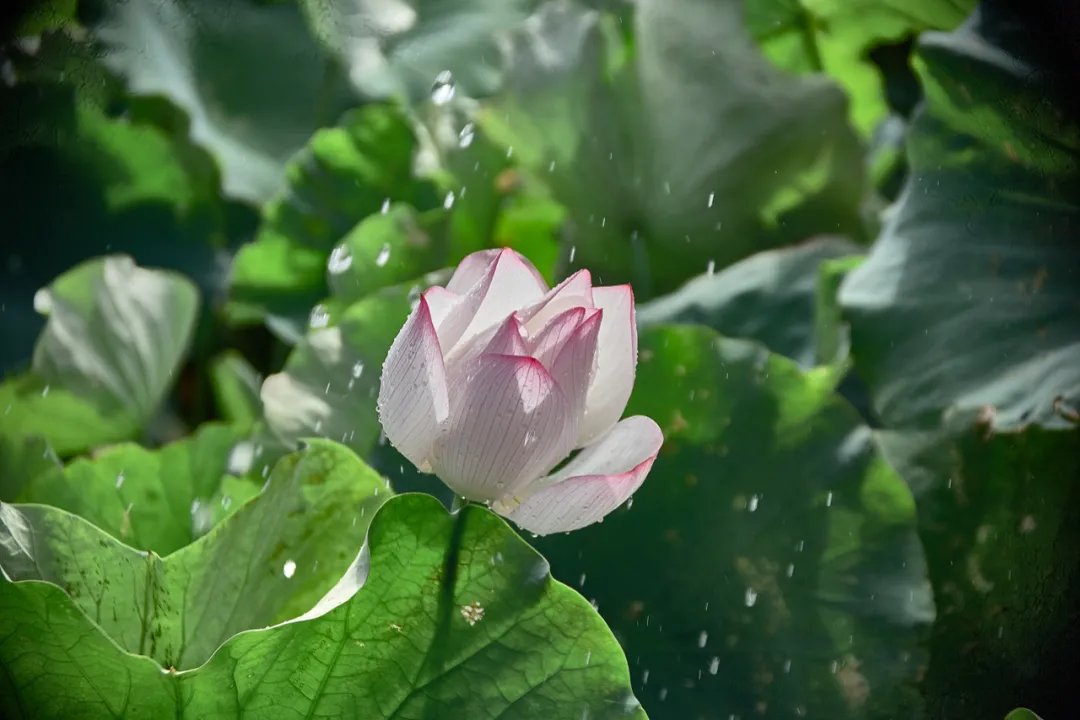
{"x": 753, "y": 504}
{"x": 466, "y": 136}
{"x": 320, "y": 316}
{"x": 45, "y": 391}
{"x": 240, "y": 458}
{"x": 340, "y": 259}
{"x": 828, "y": 499}
{"x": 385, "y": 208}
{"x": 383, "y": 256}
{"x": 120, "y": 480}
{"x": 712, "y": 197}
{"x": 358, "y": 369}
{"x": 573, "y": 251}
{"x": 714, "y": 666}
{"x": 710, "y": 269}
{"x": 226, "y": 502}
{"x": 702, "y": 638}
{"x": 443, "y": 89}
{"x": 751, "y": 597}
{"x": 288, "y": 569}
{"x": 448, "y": 201}
{"x": 581, "y": 581}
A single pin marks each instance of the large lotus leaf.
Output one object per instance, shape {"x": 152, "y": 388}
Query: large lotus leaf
{"x": 272, "y": 559}
{"x": 344, "y": 174}
{"x": 970, "y": 296}
{"x": 21, "y": 460}
{"x": 684, "y": 149}
{"x": 456, "y": 619}
{"x": 836, "y": 37}
{"x": 159, "y": 500}
{"x": 770, "y": 297}
{"x": 770, "y": 563}
{"x": 999, "y": 514}
{"x": 115, "y": 336}
{"x": 396, "y": 48}
{"x": 215, "y": 59}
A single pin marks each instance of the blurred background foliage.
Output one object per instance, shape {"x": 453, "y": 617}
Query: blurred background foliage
{"x": 853, "y": 231}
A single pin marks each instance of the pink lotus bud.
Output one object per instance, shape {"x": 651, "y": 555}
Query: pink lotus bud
{"x": 494, "y": 380}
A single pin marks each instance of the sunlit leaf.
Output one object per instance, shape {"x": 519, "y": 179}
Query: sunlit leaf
{"x": 271, "y": 560}
{"x": 115, "y": 336}
{"x": 455, "y": 619}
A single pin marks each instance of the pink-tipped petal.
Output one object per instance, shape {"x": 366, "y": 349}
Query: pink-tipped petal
{"x": 413, "y": 393}
{"x": 616, "y": 361}
{"x": 574, "y": 291}
{"x": 509, "y": 283}
{"x": 574, "y": 367}
{"x": 471, "y": 269}
{"x": 508, "y": 425}
{"x": 595, "y": 483}
{"x": 548, "y": 343}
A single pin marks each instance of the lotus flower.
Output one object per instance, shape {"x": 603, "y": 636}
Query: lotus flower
{"x": 495, "y": 379}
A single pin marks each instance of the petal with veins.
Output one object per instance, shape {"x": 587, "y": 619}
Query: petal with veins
{"x": 413, "y": 394}
{"x": 594, "y": 483}
{"x": 616, "y": 360}
{"x": 546, "y": 346}
{"x": 440, "y": 303}
{"x": 508, "y": 425}
{"x": 574, "y": 367}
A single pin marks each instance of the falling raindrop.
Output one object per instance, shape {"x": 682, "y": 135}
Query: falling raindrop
{"x": 581, "y": 580}
{"x": 448, "y": 201}
{"x": 702, "y": 638}
{"x": 385, "y": 208}
{"x": 383, "y": 256}
{"x": 466, "y": 136}
{"x": 712, "y": 197}
{"x": 288, "y": 569}
{"x": 240, "y": 458}
{"x": 573, "y": 252}
{"x": 753, "y": 504}
{"x": 340, "y": 259}
{"x": 714, "y": 665}
{"x": 790, "y": 569}
{"x": 828, "y": 499}
{"x": 226, "y": 502}
{"x": 551, "y": 166}
{"x": 443, "y": 89}
{"x": 320, "y": 316}
{"x": 45, "y": 391}
{"x": 120, "y": 480}
{"x": 710, "y": 269}
{"x": 662, "y": 695}
{"x": 751, "y": 597}
{"x": 358, "y": 369}
{"x": 510, "y": 152}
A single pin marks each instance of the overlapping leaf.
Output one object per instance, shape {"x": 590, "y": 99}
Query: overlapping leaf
{"x": 969, "y": 298}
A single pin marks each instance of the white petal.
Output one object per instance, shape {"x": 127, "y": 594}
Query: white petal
{"x": 440, "y": 302}
{"x": 509, "y": 283}
{"x": 594, "y": 483}
{"x": 548, "y": 343}
{"x": 574, "y": 367}
{"x": 507, "y": 426}
{"x": 616, "y": 361}
{"x": 413, "y": 394}
{"x": 574, "y": 291}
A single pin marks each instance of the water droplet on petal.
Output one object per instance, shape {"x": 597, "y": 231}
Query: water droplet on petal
{"x": 443, "y": 89}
